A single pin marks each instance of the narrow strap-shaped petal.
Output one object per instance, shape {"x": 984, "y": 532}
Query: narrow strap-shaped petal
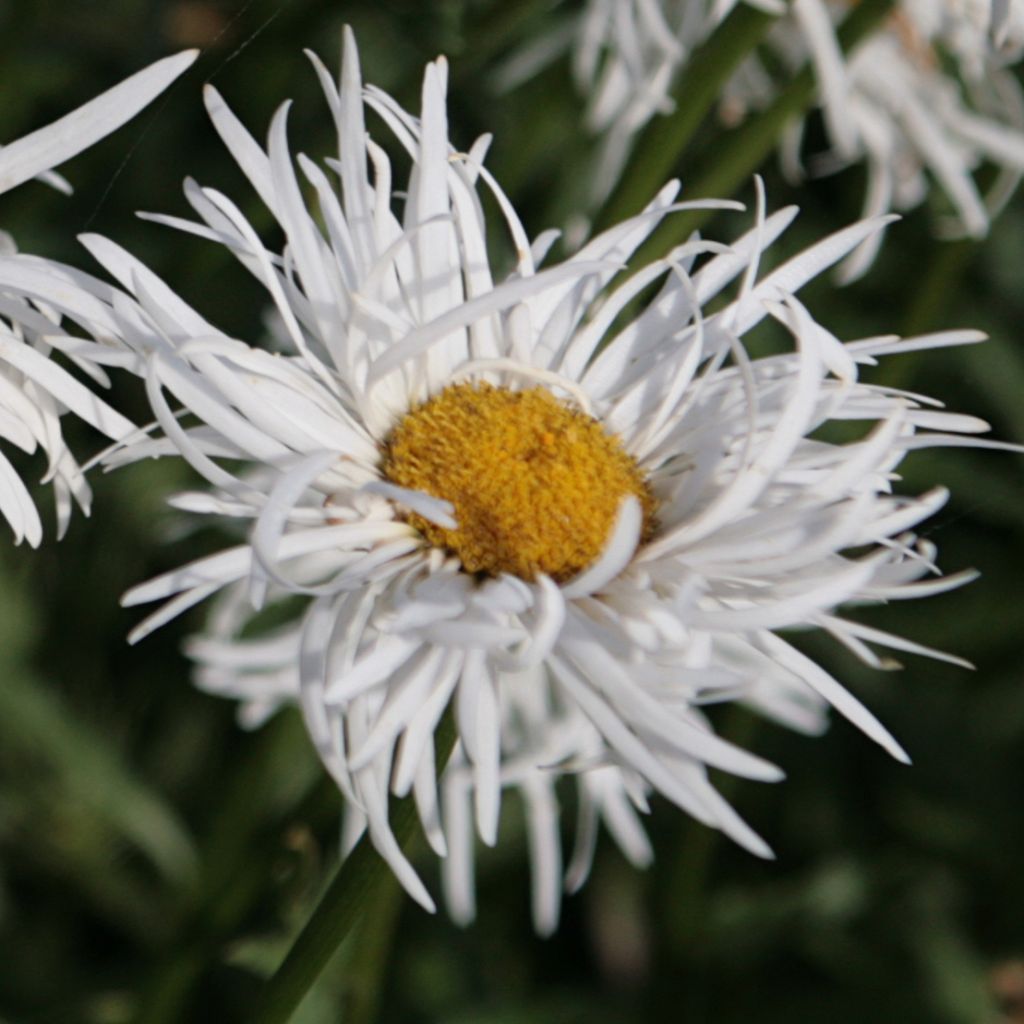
{"x": 48, "y": 147}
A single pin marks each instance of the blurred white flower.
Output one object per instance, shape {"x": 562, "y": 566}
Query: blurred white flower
{"x": 34, "y": 390}
{"x": 925, "y": 98}
{"x": 625, "y": 57}
{"x": 1006, "y": 24}
{"x": 503, "y": 497}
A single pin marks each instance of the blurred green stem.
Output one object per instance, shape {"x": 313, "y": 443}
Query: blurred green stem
{"x": 929, "y": 301}
{"x": 926, "y": 309}
{"x": 356, "y": 890}
{"x": 928, "y": 304}
{"x": 938, "y": 284}
{"x": 367, "y": 965}
{"x": 238, "y": 856}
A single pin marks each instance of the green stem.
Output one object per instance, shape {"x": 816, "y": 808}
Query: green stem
{"x": 369, "y": 961}
{"x": 239, "y": 854}
{"x": 658, "y": 150}
{"x": 949, "y": 261}
{"x": 355, "y": 889}
{"x": 744, "y": 150}
{"x": 929, "y": 301}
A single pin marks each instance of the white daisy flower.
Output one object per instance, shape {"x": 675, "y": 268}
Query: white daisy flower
{"x": 504, "y": 499}
{"x": 925, "y": 98}
{"x": 35, "y": 391}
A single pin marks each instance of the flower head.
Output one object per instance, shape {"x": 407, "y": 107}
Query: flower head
{"x": 925, "y": 98}
{"x": 569, "y": 526}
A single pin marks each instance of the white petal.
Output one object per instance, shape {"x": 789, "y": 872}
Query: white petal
{"x": 617, "y": 553}
{"x": 47, "y": 147}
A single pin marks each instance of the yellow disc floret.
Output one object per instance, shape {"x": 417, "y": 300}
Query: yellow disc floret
{"x": 536, "y": 484}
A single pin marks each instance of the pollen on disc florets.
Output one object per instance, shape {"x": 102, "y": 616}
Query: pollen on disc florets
{"x": 536, "y": 483}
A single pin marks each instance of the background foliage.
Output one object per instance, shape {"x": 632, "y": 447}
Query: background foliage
{"x": 155, "y": 860}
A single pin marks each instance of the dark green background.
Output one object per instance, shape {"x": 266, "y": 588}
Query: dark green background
{"x": 154, "y": 859}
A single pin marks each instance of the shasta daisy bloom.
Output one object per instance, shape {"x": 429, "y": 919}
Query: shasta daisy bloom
{"x": 925, "y": 99}
{"x": 499, "y": 500}
{"x": 34, "y": 391}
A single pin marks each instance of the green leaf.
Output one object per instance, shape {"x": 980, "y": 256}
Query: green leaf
{"x": 356, "y": 888}
{"x": 34, "y": 720}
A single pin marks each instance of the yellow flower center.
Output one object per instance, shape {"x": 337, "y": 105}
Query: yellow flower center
{"x": 536, "y": 484}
